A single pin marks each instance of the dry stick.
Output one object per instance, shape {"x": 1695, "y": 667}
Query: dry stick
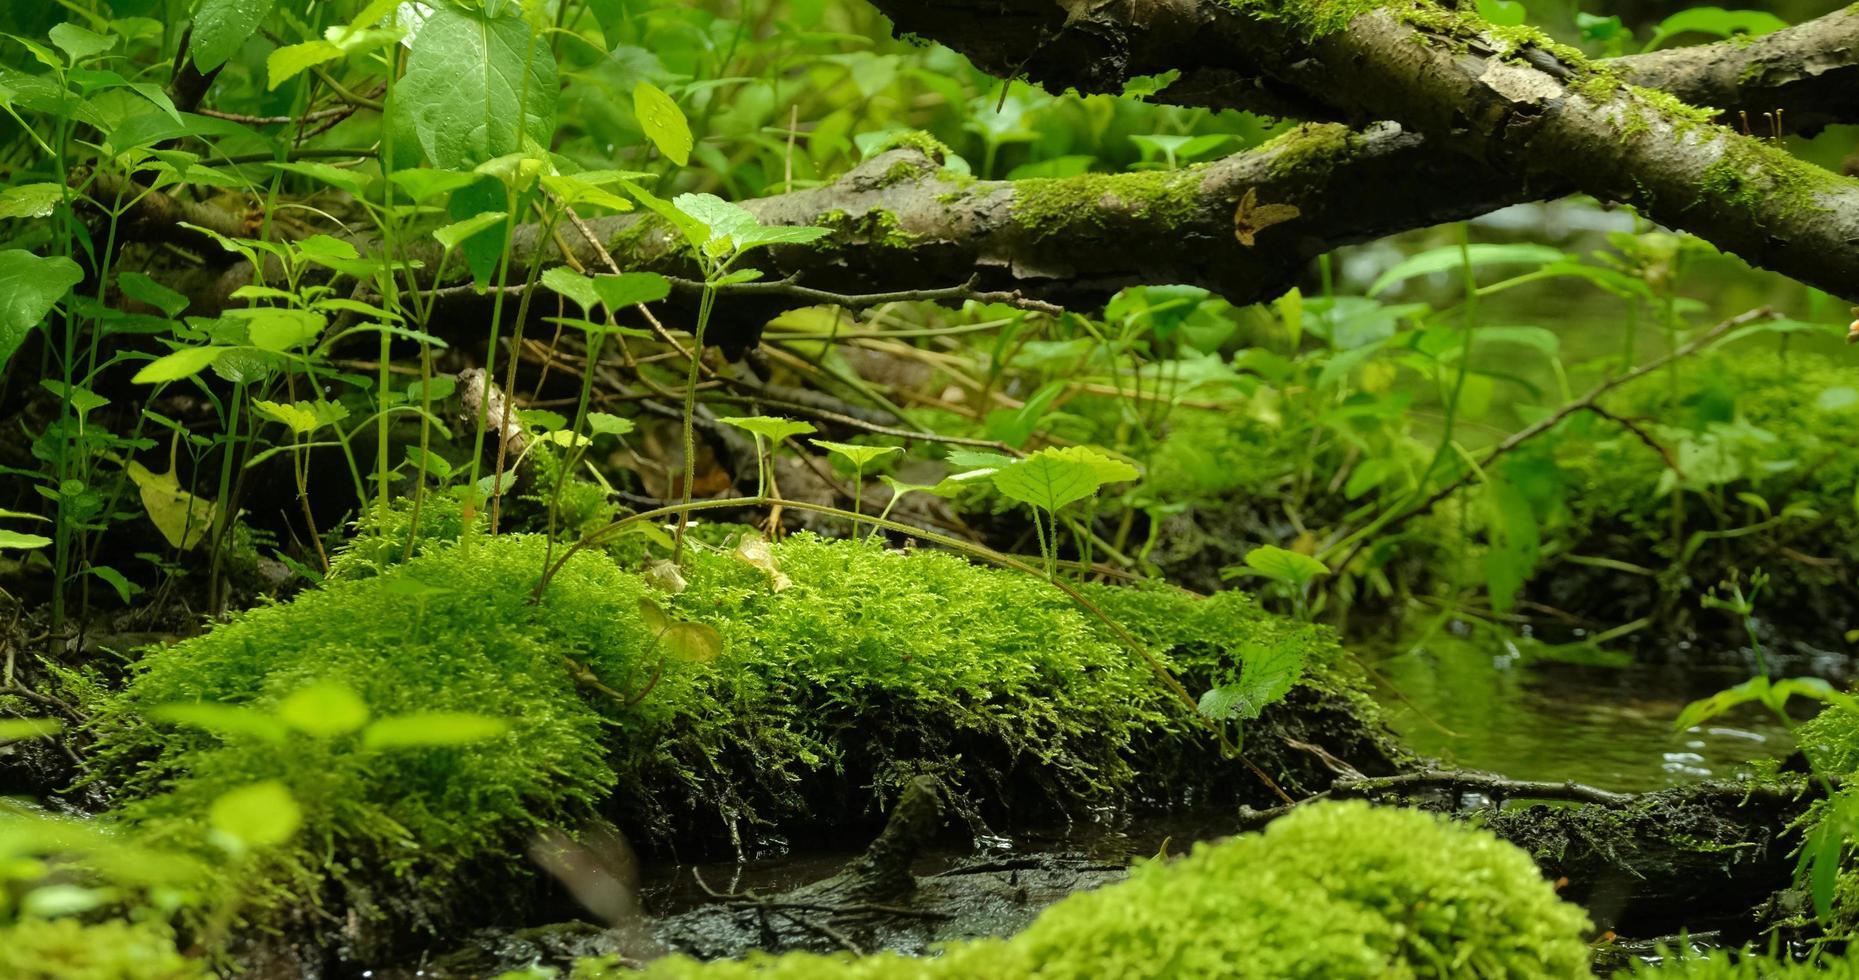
{"x": 1161, "y": 672}
{"x": 1585, "y": 403}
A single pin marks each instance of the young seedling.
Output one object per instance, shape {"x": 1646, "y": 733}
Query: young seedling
{"x": 1051, "y": 478}
{"x": 774, "y": 429}
{"x": 859, "y": 457}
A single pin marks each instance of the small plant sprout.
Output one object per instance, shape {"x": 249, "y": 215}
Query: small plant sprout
{"x": 1290, "y": 569}
{"x": 1051, "y": 478}
{"x": 859, "y": 457}
{"x": 774, "y": 429}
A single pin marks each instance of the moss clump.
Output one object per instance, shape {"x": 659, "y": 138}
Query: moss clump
{"x": 918, "y": 140}
{"x": 1332, "y": 890}
{"x": 873, "y": 667}
{"x": 451, "y": 630}
{"x": 1051, "y": 205}
{"x": 67, "y": 949}
{"x": 1312, "y": 19}
{"x": 1310, "y": 152}
{"x": 874, "y": 226}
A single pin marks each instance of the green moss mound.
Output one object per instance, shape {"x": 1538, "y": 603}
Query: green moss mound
{"x": 872, "y": 667}
{"x": 1331, "y": 890}
{"x": 67, "y": 949}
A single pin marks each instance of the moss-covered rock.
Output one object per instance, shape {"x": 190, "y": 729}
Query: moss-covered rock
{"x": 870, "y": 668}
{"x": 1332, "y": 890}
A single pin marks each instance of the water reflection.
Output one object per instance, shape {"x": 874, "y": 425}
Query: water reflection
{"x": 1523, "y": 709}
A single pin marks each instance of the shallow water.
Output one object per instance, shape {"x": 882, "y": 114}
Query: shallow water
{"x": 1523, "y": 709}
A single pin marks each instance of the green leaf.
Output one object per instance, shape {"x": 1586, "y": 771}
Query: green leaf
{"x": 183, "y": 363}
{"x": 1704, "y": 709}
{"x": 1449, "y": 257}
{"x": 1051, "y": 478}
{"x": 125, "y": 589}
{"x": 663, "y": 122}
{"x": 695, "y": 232}
{"x": 425, "y": 183}
{"x": 604, "y": 424}
{"x": 454, "y": 234}
{"x": 432, "y": 728}
{"x": 723, "y": 219}
{"x": 323, "y": 173}
{"x": 260, "y": 815}
{"x": 222, "y": 27}
{"x": 572, "y": 284}
{"x": 79, "y": 43}
{"x": 769, "y": 427}
{"x": 325, "y": 709}
{"x": 692, "y": 642}
{"x": 31, "y": 200}
{"x": 631, "y": 288}
{"x": 1280, "y": 565}
{"x": 1502, "y": 13}
{"x": 142, "y": 289}
{"x": 859, "y": 456}
{"x": 778, "y": 235}
{"x": 288, "y": 62}
{"x": 29, "y": 287}
{"x": 301, "y": 417}
{"x": 1516, "y": 544}
{"x": 476, "y": 88}
{"x": 1266, "y": 675}
{"x": 15, "y": 539}
{"x": 14, "y": 729}
{"x": 182, "y": 518}
{"x": 221, "y": 719}
{"x": 279, "y": 330}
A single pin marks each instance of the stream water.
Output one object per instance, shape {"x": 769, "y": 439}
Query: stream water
{"x": 1532, "y": 711}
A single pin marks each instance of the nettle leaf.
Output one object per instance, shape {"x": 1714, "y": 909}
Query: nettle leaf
{"x": 260, "y": 815}
{"x": 1266, "y": 675}
{"x": 663, "y": 122}
{"x": 1053, "y": 477}
{"x": 723, "y": 219}
{"x": 631, "y": 288}
{"x": 770, "y": 427}
{"x": 477, "y": 87}
{"x": 857, "y": 455}
{"x": 221, "y": 27}
{"x": 1280, "y": 565}
{"x": 426, "y": 729}
{"x": 29, "y": 287}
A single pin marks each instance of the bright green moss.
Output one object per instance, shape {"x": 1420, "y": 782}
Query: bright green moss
{"x": 873, "y": 667}
{"x": 1051, "y": 205}
{"x": 67, "y": 949}
{"x": 1332, "y": 890}
{"x": 918, "y": 140}
{"x": 1312, "y": 19}
{"x": 1310, "y": 151}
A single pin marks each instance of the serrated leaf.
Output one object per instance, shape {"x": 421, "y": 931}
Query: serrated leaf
{"x": 1266, "y": 675}
{"x": 663, "y": 122}
{"x": 425, "y": 729}
{"x": 1051, "y": 478}
{"x": 606, "y": 424}
{"x": 476, "y": 87}
{"x": 723, "y": 219}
